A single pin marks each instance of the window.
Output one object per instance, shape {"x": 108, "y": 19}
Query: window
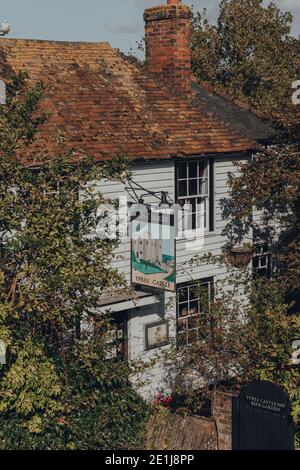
{"x": 262, "y": 260}
{"x": 193, "y": 303}
{"x": 195, "y": 188}
{"x": 117, "y": 337}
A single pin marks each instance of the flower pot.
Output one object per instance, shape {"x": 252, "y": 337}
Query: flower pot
{"x": 240, "y": 257}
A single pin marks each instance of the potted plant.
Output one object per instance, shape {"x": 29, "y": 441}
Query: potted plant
{"x": 240, "y": 256}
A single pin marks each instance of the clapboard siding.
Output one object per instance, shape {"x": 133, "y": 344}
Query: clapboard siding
{"x": 153, "y": 176}
{"x": 214, "y": 241}
{"x": 160, "y": 176}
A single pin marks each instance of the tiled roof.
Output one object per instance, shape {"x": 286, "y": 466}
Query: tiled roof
{"x": 240, "y": 116}
{"x": 103, "y": 103}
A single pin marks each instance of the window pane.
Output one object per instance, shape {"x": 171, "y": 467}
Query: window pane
{"x": 193, "y": 190}
{"x": 201, "y": 219}
{"x": 194, "y": 292}
{"x": 183, "y": 310}
{"x": 116, "y": 339}
{"x": 193, "y": 185}
{"x": 182, "y": 170}
{"x": 182, "y": 188}
{"x": 193, "y": 169}
{"x": 258, "y": 250}
{"x": 192, "y": 222}
{"x": 183, "y": 294}
{"x": 203, "y": 187}
{"x": 204, "y": 296}
{"x": 200, "y": 205}
{"x": 193, "y": 203}
{"x": 202, "y": 169}
{"x": 194, "y": 307}
{"x": 265, "y": 248}
{"x": 264, "y": 261}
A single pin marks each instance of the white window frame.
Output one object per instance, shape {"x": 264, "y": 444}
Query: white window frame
{"x": 199, "y": 196}
{"x": 259, "y": 254}
{"x": 184, "y": 320}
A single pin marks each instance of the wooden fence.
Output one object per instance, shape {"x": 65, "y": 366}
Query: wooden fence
{"x": 172, "y": 431}
{"x": 176, "y": 432}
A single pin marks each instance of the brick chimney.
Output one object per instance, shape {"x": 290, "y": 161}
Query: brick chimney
{"x": 168, "y": 36}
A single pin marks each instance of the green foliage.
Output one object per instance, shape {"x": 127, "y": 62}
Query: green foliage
{"x": 274, "y": 330}
{"x": 98, "y": 409}
{"x": 270, "y": 184}
{"x": 243, "y": 337}
{"x": 58, "y": 389}
{"x": 18, "y": 120}
{"x": 31, "y": 386}
{"x": 250, "y": 53}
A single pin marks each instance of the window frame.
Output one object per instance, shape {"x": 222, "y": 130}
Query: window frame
{"x": 208, "y": 195}
{"x": 269, "y": 267}
{"x": 120, "y": 321}
{"x": 209, "y": 281}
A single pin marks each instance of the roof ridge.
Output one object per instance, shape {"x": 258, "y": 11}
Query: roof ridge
{"x": 5, "y": 40}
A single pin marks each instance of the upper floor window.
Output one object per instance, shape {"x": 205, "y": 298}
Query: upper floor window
{"x": 194, "y": 185}
{"x": 262, "y": 260}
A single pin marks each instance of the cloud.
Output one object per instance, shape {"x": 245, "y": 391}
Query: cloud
{"x": 125, "y": 29}
{"x": 212, "y": 7}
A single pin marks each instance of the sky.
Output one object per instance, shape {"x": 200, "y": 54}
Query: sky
{"x": 119, "y": 22}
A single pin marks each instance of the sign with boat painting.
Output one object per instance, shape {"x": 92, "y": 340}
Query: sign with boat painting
{"x": 153, "y": 251}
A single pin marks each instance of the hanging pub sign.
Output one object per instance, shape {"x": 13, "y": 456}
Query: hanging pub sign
{"x": 153, "y": 249}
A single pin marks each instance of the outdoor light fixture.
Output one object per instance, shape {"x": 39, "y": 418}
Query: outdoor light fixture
{"x": 164, "y": 199}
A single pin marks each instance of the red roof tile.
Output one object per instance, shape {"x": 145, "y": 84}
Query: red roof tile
{"x": 104, "y": 103}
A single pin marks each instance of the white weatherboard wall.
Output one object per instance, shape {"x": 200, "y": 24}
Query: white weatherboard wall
{"x": 154, "y": 377}
{"x": 153, "y": 176}
{"x": 214, "y": 241}
{"x": 160, "y": 176}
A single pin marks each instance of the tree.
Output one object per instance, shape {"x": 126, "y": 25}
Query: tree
{"x": 245, "y": 332}
{"x": 214, "y": 348}
{"x": 58, "y": 388}
{"x": 251, "y": 54}
{"x": 270, "y": 184}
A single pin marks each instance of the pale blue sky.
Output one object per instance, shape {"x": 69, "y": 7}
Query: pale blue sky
{"x": 118, "y": 21}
